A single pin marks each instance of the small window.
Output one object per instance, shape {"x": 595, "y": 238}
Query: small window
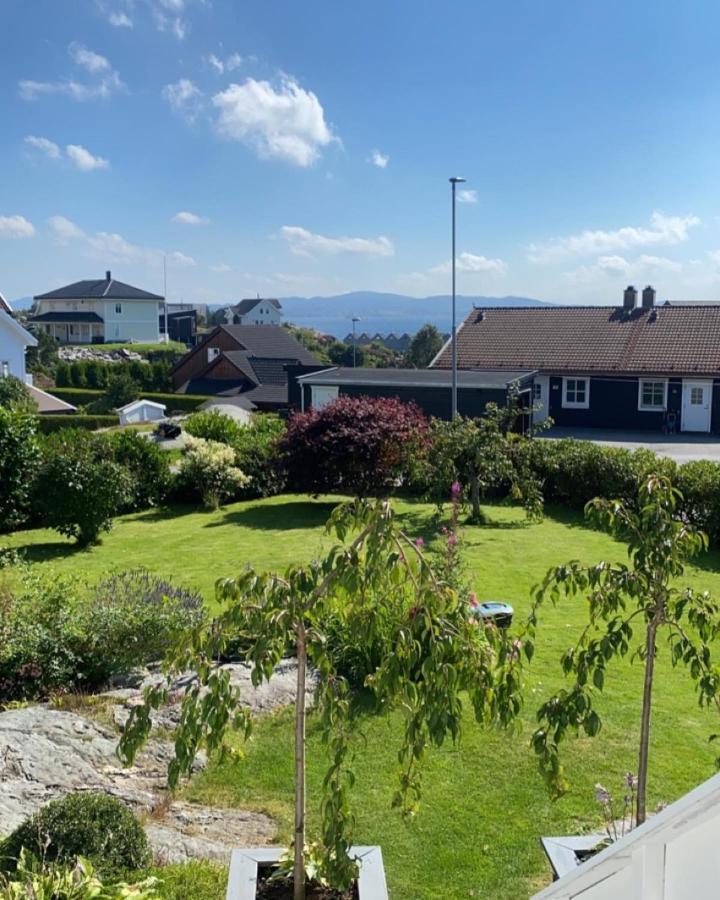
{"x": 696, "y": 396}
{"x": 118, "y": 309}
{"x": 653, "y": 395}
{"x": 537, "y": 391}
{"x": 576, "y": 393}
{"x": 213, "y": 353}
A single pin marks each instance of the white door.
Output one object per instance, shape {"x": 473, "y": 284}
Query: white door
{"x": 696, "y": 405}
{"x": 322, "y": 395}
{"x": 541, "y": 398}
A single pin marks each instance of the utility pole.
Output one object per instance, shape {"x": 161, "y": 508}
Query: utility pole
{"x": 355, "y": 319}
{"x": 454, "y": 404}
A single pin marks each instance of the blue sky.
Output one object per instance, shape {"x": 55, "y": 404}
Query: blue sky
{"x": 304, "y": 148}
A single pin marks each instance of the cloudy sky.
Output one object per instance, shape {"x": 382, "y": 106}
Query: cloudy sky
{"x": 283, "y": 148}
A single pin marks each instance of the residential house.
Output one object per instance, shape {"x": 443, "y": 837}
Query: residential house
{"x": 14, "y": 341}
{"x": 258, "y": 311}
{"x": 637, "y": 366}
{"x": 104, "y": 311}
{"x": 141, "y": 410}
{"x": 429, "y": 388}
{"x": 245, "y": 361}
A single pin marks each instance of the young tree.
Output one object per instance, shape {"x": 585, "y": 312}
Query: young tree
{"x": 622, "y": 600}
{"x": 424, "y": 347}
{"x": 435, "y": 654}
{"x": 15, "y": 395}
{"x": 357, "y": 445}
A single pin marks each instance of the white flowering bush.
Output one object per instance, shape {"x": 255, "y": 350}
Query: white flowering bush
{"x": 208, "y": 469}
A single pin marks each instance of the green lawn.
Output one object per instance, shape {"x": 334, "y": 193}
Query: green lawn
{"x": 484, "y": 806}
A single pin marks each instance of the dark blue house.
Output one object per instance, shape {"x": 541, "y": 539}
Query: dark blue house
{"x": 637, "y": 366}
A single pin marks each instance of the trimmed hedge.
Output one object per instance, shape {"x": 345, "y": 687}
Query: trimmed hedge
{"x": 49, "y": 423}
{"x": 179, "y": 402}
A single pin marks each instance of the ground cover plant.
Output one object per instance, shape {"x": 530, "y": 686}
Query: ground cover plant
{"x": 484, "y": 803}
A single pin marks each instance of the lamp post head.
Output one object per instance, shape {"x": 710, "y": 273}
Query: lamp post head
{"x": 456, "y": 180}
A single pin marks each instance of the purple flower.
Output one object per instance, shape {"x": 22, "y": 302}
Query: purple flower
{"x": 455, "y": 489}
{"x": 631, "y": 781}
{"x": 602, "y": 795}
{"x": 419, "y": 542}
{"x": 452, "y": 540}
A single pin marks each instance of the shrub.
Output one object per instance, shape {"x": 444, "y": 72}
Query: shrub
{"x": 699, "y": 484}
{"x": 174, "y": 402}
{"x": 208, "y": 469}
{"x": 19, "y": 457}
{"x": 122, "y": 388}
{"x": 79, "y": 487}
{"x": 211, "y": 425}
{"x": 51, "y": 423}
{"x": 92, "y": 825}
{"x": 35, "y": 881}
{"x": 58, "y": 634}
{"x": 256, "y": 453}
{"x": 15, "y": 395}
{"x": 147, "y": 466}
{"x": 357, "y": 445}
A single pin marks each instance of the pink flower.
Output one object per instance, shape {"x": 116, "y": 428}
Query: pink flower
{"x": 455, "y": 489}
{"x": 472, "y": 597}
{"x": 419, "y": 542}
{"x": 452, "y": 540}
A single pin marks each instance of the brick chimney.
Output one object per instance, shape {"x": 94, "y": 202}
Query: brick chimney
{"x": 108, "y": 275}
{"x": 648, "y": 297}
{"x": 629, "y": 297}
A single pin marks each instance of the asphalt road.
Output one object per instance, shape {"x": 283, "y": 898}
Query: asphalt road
{"x": 680, "y": 447}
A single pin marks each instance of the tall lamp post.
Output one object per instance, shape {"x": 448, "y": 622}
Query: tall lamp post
{"x": 454, "y": 181}
{"x": 355, "y": 320}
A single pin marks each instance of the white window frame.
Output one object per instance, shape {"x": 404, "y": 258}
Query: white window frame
{"x": 573, "y": 404}
{"x": 118, "y": 309}
{"x": 212, "y": 353}
{"x": 643, "y": 407}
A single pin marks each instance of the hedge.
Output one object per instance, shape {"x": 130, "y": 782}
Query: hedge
{"x": 83, "y": 396}
{"x": 50, "y": 423}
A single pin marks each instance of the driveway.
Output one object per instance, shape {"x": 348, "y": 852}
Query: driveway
{"x": 680, "y": 447}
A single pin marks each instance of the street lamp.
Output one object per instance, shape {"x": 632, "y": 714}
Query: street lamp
{"x": 354, "y": 320}
{"x": 454, "y": 181}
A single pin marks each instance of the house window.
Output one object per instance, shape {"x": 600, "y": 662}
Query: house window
{"x": 537, "y": 391}
{"x": 213, "y": 353}
{"x": 576, "y": 393}
{"x": 118, "y": 309}
{"x": 652, "y": 395}
{"x": 696, "y": 396}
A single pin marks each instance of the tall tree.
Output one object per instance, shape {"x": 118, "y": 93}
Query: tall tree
{"x": 424, "y": 347}
{"x": 623, "y": 600}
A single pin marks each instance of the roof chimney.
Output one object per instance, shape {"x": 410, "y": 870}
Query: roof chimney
{"x": 108, "y": 275}
{"x": 648, "y": 297}
{"x": 629, "y": 297}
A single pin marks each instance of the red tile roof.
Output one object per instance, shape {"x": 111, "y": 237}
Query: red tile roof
{"x": 682, "y": 339}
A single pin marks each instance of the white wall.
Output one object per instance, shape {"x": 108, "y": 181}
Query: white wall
{"x": 12, "y": 348}
{"x": 263, "y": 314}
{"x": 137, "y": 321}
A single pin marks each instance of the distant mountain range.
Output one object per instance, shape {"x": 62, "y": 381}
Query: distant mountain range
{"x": 376, "y": 311}
{"x": 385, "y": 312}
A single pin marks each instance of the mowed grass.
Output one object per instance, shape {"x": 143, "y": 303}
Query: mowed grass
{"x": 485, "y": 806}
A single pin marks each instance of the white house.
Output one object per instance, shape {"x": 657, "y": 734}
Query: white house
{"x": 258, "y": 311}
{"x": 14, "y": 340}
{"x": 141, "y": 411}
{"x": 672, "y": 856}
{"x": 104, "y": 311}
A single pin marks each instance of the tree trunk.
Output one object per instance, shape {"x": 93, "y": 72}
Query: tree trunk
{"x": 299, "y": 867}
{"x": 645, "y": 721}
{"x": 476, "y": 514}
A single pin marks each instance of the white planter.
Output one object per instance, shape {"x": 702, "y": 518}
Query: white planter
{"x": 244, "y": 865}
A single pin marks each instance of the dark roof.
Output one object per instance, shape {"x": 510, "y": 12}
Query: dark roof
{"x": 49, "y": 403}
{"x": 270, "y": 341}
{"x": 271, "y": 371}
{"x": 62, "y": 317}
{"x": 223, "y": 387}
{"x": 663, "y": 340}
{"x": 268, "y": 393}
{"x": 240, "y": 359}
{"x": 495, "y": 379}
{"x": 103, "y": 289}
{"x": 4, "y": 305}
{"x": 245, "y": 306}
{"x": 210, "y": 387}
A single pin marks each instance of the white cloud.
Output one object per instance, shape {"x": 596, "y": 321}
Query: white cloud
{"x": 15, "y": 227}
{"x": 379, "y": 159}
{"x": 221, "y": 267}
{"x": 76, "y": 90}
{"x": 176, "y": 26}
{"x": 185, "y": 98}
{"x": 188, "y": 218}
{"x": 120, "y": 20}
{"x": 84, "y": 159}
{"x": 470, "y": 262}
{"x": 618, "y": 266}
{"x": 112, "y": 247}
{"x": 466, "y": 196}
{"x": 286, "y": 123}
{"x": 662, "y": 230}
{"x": 88, "y": 59}
{"x": 305, "y": 243}
{"x": 49, "y": 148}
{"x": 229, "y": 64}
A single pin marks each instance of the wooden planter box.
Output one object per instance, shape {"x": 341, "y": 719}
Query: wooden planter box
{"x": 244, "y": 865}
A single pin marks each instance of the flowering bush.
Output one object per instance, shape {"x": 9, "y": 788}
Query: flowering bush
{"x": 208, "y": 468}
{"x": 357, "y": 445}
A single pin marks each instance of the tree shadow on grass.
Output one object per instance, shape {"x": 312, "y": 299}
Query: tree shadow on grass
{"x": 292, "y": 514}
{"x": 50, "y": 551}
